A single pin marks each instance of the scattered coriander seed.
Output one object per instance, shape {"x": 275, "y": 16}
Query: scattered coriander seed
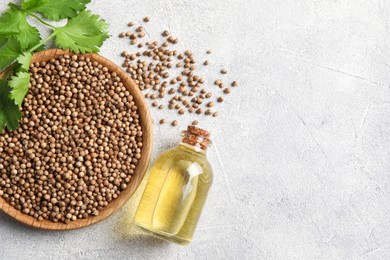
{"x": 146, "y": 19}
{"x": 122, "y": 34}
{"x": 130, "y": 24}
{"x": 234, "y": 84}
{"x": 227, "y": 90}
{"x": 165, "y": 33}
{"x": 174, "y": 123}
{"x": 195, "y": 122}
{"x": 215, "y": 114}
{"x": 156, "y": 74}
{"x": 162, "y": 121}
{"x": 181, "y": 111}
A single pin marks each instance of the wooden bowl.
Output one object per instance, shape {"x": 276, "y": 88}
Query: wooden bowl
{"x": 146, "y": 124}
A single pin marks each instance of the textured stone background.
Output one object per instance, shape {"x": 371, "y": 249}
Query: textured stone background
{"x": 301, "y": 149}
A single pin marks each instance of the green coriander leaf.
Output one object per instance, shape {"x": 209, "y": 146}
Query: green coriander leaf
{"x": 14, "y": 23}
{"x": 3, "y": 121}
{"x": 19, "y": 83}
{"x": 24, "y": 60}
{"x": 9, "y": 51}
{"x": 83, "y": 33}
{"x": 19, "y": 86}
{"x": 55, "y": 9}
{"x": 10, "y": 21}
{"x": 9, "y": 111}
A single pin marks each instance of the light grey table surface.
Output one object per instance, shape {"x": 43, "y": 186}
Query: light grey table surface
{"x": 301, "y": 148}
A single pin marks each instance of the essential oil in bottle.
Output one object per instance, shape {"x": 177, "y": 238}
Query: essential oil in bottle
{"x": 177, "y": 189}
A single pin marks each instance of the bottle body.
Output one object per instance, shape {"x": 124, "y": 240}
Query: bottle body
{"x": 175, "y": 194}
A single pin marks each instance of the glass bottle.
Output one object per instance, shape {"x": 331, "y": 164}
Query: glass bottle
{"x": 177, "y": 189}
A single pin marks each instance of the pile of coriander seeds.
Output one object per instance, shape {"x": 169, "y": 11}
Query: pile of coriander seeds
{"x": 152, "y": 65}
{"x": 78, "y": 143}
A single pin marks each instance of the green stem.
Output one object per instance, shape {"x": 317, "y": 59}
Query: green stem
{"x": 43, "y": 42}
{"x": 9, "y": 72}
{"x": 40, "y": 20}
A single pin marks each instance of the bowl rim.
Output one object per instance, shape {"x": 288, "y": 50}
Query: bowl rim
{"x": 140, "y": 170}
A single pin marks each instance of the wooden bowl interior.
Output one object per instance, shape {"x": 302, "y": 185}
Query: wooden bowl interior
{"x": 146, "y": 124}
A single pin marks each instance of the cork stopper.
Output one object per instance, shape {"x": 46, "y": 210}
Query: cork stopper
{"x": 196, "y": 136}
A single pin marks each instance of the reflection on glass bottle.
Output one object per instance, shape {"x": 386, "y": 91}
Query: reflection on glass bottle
{"x": 177, "y": 189}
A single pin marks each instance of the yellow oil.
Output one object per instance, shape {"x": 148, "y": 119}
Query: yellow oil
{"x": 175, "y": 194}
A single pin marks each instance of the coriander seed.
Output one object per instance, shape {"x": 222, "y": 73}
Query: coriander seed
{"x": 227, "y": 90}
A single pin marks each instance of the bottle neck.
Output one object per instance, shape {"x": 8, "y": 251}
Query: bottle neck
{"x": 195, "y": 148}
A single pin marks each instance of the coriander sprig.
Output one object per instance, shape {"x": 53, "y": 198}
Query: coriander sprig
{"x": 84, "y": 32}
